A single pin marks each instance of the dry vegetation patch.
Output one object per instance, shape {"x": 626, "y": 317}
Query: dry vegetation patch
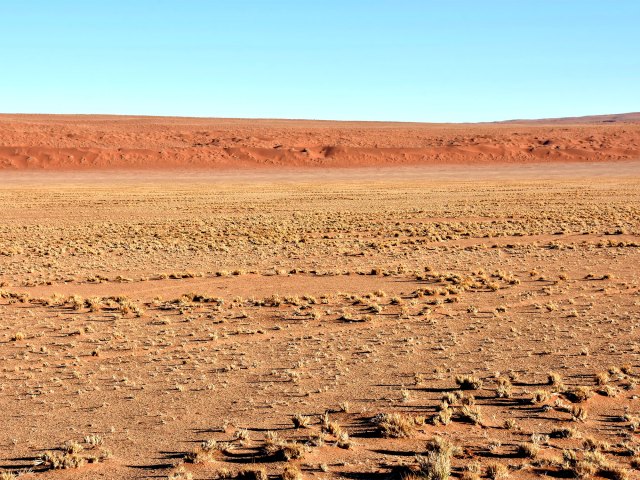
{"x": 328, "y": 330}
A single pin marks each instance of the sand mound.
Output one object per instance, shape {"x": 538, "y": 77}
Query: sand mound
{"x": 61, "y": 142}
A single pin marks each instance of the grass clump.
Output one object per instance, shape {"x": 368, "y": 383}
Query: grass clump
{"x": 436, "y": 463}
{"x": 74, "y": 454}
{"x": 180, "y": 474}
{"x": 291, "y": 472}
{"x": 528, "y": 450}
{"x": 578, "y": 394}
{"x": 253, "y": 474}
{"x": 394, "y": 425}
{"x": 468, "y": 382}
{"x": 301, "y": 421}
{"x": 540, "y": 396}
{"x": 471, "y": 413}
{"x": 504, "y": 388}
{"x": 444, "y": 415}
{"x": 497, "y": 471}
{"x": 18, "y": 336}
{"x": 282, "y": 450}
{"x": 564, "y": 432}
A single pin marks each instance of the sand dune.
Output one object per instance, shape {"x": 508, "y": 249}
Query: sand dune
{"x": 72, "y": 142}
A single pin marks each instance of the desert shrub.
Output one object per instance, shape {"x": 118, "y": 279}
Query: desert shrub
{"x": 540, "y": 396}
{"x": 394, "y": 425}
{"x": 497, "y": 471}
{"x": 471, "y": 414}
{"x": 282, "y": 449}
{"x": 564, "y": 432}
{"x": 554, "y": 379}
{"x": 504, "y": 388}
{"x": 468, "y": 382}
{"x": 301, "y": 421}
{"x": 578, "y": 394}
{"x": 74, "y": 455}
{"x": 578, "y": 414}
{"x": 443, "y": 417}
{"x": 528, "y": 450}
{"x": 291, "y": 472}
{"x": 253, "y": 474}
{"x": 436, "y": 463}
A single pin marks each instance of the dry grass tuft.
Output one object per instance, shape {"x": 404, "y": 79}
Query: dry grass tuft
{"x": 281, "y": 449}
{"x": 395, "y": 425}
{"x": 497, "y": 471}
{"x": 253, "y": 474}
{"x": 291, "y": 472}
{"x": 468, "y": 382}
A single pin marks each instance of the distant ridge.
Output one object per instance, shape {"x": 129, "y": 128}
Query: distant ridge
{"x": 99, "y": 142}
{"x": 632, "y": 117}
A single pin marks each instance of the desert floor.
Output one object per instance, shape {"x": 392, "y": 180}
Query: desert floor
{"x": 357, "y": 324}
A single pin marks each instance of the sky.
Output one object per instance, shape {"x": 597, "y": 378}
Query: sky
{"x": 429, "y": 60}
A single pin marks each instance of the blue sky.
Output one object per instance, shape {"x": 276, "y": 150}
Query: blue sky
{"x": 446, "y": 60}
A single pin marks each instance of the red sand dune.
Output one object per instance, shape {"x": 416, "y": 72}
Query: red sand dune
{"x": 71, "y": 142}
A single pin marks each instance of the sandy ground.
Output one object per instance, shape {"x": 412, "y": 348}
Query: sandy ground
{"x": 89, "y": 142}
{"x": 173, "y": 323}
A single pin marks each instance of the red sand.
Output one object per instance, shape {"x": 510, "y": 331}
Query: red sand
{"x": 73, "y": 142}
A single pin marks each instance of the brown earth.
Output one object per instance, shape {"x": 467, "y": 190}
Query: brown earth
{"x": 71, "y": 142}
{"x": 166, "y": 322}
{"x": 179, "y": 299}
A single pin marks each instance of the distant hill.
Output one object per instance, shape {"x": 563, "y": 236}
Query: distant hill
{"x": 632, "y": 117}
{"x": 97, "y": 142}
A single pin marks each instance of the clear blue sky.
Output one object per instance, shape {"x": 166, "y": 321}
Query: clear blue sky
{"x": 447, "y": 60}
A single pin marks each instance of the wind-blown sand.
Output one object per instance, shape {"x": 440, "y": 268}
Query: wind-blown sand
{"x": 71, "y": 142}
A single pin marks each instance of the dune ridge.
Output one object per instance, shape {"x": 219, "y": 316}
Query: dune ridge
{"x": 85, "y": 142}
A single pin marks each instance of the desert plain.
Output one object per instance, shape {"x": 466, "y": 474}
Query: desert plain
{"x": 200, "y": 298}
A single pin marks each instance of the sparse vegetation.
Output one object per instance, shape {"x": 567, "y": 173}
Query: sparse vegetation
{"x": 468, "y": 382}
{"x": 227, "y": 314}
{"x": 395, "y": 425}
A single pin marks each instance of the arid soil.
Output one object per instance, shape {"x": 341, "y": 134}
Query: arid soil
{"x": 319, "y": 324}
{"x": 35, "y": 142}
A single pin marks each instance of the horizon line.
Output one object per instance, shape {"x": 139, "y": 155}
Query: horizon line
{"x": 510, "y": 120}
